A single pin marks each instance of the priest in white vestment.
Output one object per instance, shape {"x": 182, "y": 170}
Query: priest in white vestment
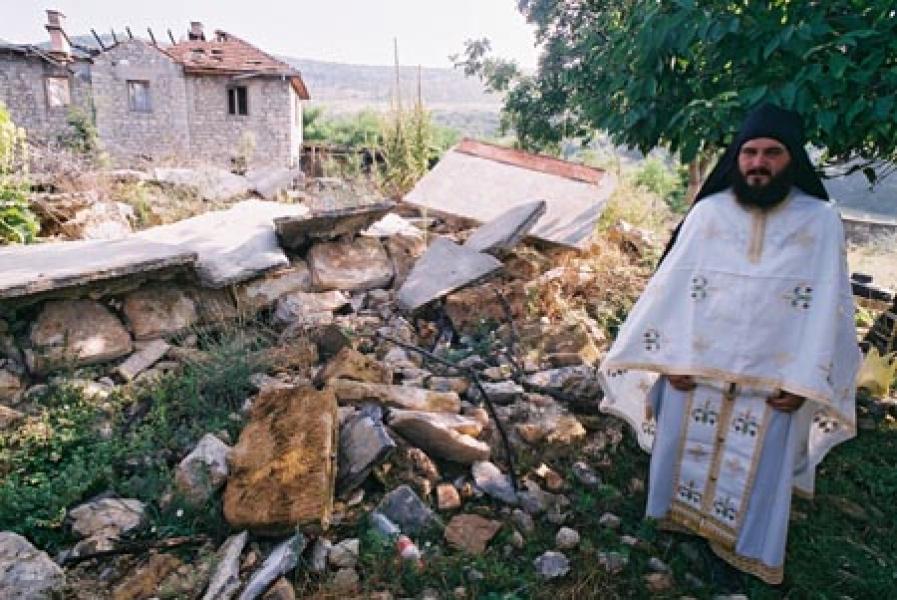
{"x": 736, "y": 366}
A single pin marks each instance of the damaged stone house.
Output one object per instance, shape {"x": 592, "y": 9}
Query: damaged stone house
{"x": 215, "y": 100}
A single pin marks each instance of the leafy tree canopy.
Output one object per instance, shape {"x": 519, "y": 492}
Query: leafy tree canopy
{"x": 683, "y": 73}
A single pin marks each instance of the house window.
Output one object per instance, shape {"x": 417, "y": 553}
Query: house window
{"x": 58, "y": 93}
{"x": 237, "y": 103}
{"x": 139, "y": 96}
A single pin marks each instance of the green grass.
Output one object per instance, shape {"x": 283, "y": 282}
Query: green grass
{"x": 130, "y": 443}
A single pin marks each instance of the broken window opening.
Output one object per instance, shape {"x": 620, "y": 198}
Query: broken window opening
{"x": 58, "y": 92}
{"x": 237, "y": 100}
{"x": 139, "y": 96}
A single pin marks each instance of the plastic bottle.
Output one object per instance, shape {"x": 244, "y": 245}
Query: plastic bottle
{"x": 409, "y": 551}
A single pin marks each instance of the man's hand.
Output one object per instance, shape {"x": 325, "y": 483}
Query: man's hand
{"x": 683, "y": 383}
{"x": 785, "y": 401}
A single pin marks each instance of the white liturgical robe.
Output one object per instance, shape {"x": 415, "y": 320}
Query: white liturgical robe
{"x": 747, "y": 302}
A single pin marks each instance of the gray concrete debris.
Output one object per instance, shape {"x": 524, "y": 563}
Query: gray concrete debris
{"x": 38, "y": 268}
{"x": 143, "y": 359}
{"x": 493, "y": 482}
{"x": 159, "y": 310}
{"x": 269, "y": 182}
{"x": 231, "y": 245}
{"x": 404, "y": 508}
{"x": 500, "y": 392}
{"x": 585, "y": 475}
{"x": 444, "y": 435}
{"x": 298, "y": 231}
{"x": 100, "y": 221}
{"x": 202, "y": 472}
{"x": 558, "y": 379}
{"x": 551, "y": 565}
{"x": 612, "y": 562}
{"x": 444, "y": 268}
{"x": 75, "y": 332}
{"x": 364, "y": 442}
{"x": 226, "y": 578}
{"x": 282, "y": 559}
{"x": 505, "y": 231}
{"x": 26, "y": 573}
{"x": 210, "y": 183}
{"x": 350, "y": 265}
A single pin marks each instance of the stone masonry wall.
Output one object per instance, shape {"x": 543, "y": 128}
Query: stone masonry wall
{"x": 162, "y": 133}
{"x": 23, "y": 91}
{"x": 215, "y": 135}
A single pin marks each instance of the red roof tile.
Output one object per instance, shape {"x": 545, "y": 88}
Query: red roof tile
{"x": 533, "y": 162}
{"x": 228, "y": 54}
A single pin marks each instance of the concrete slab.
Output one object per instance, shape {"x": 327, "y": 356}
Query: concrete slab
{"x": 297, "y": 232}
{"x": 231, "y": 245}
{"x": 480, "y": 182}
{"x": 502, "y": 233}
{"x": 444, "y": 268}
{"x": 211, "y": 183}
{"x": 268, "y": 182}
{"x": 34, "y": 269}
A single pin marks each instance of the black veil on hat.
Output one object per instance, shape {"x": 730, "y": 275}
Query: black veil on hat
{"x": 765, "y": 121}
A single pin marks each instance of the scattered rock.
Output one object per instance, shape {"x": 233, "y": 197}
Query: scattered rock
{"x": 319, "y": 553}
{"x": 658, "y": 566}
{"x": 263, "y": 292}
{"x": 282, "y": 559}
{"x": 349, "y": 363}
{"x": 143, "y": 359}
{"x": 226, "y": 578}
{"x": 11, "y": 387}
{"x": 610, "y": 520}
{"x": 107, "y": 517}
{"x": 364, "y": 443}
{"x": 566, "y": 538}
{"x": 26, "y": 573}
{"x": 447, "y": 497}
{"x": 345, "y": 581}
{"x": 309, "y": 308}
{"x": 403, "y": 507}
{"x": 612, "y": 562}
{"x": 493, "y": 482}
{"x": 202, "y": 472}
{"x": 282, "y": 468}
{"x": 9, "y": 417}
{"x": 501, "y": 392}
{"x": 471, "y": 533}
{"x": 395, "y": 396}
{"x": 551, "y": 565}
{"x": 159, "y": 310}
{"x": 458, "y": 385}
{"x": 658, "y": 583}
{"x": 344, "y": 555}
{"x": 404, "y": 250}
{"x": 269, "y": 182}
{"x": 76, "y": 332}
{"x": 360, "y": 264}
{"x": 146, "y": 580}
{"x": 585, "y": 475}
{"x": 444, "y": 435}
{"x": 281, "y": 590}
{"x": 523, "y": 521}
{"x": 569, "y": 344}
{"x": 553, "y": 480}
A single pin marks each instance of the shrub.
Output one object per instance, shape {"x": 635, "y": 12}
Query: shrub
{"x": 668, "y": 182}
{"x": 82, "y": 137}
{"x": 17, "y": 223}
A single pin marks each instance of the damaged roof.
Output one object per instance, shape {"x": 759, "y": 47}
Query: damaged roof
{"x": 480, "y": 181}
{"x": 226, "y": 54}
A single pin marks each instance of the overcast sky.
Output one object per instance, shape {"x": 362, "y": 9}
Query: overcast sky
{"x": 351, "y": 31}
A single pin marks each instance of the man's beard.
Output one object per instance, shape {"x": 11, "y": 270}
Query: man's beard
{"x": 763, "y": 196}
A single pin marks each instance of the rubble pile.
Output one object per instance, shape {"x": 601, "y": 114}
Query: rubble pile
{"x": 415, "y": 378}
